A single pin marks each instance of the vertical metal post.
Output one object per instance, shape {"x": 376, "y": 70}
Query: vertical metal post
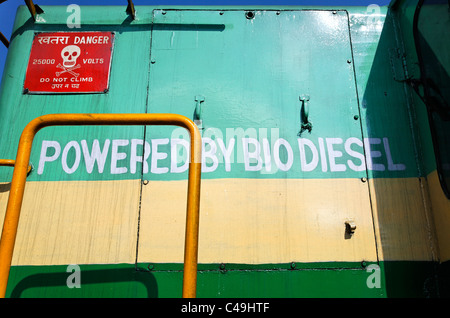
{"x": 131, "y": 10}
{"x": 33, "y": 8}
{"x": 4, "y": 40}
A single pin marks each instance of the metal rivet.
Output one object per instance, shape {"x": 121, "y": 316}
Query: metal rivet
{"x": 363, "y": 264}
{"x": 356, "y": 117}
{"x": 292, "y": 265}
{"x": 363, "y": 179}
{"x": 153, "y": 61}
{"x": 250, "y": 15}
{"x": 150, "y": 267}
{"x": 163, "y": 13}
{"x": 349, "y": 61}
{"x": 25, "y": 90}
{"x": 222, "y": 266}
{"x": 221, "y": 13}
{"x": 145, "y": 182}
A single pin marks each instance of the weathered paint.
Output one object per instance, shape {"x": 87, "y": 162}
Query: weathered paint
{"x": 314, "y": 232}
{"x": 251, "y": 217}
{"x": 323, "y": 280}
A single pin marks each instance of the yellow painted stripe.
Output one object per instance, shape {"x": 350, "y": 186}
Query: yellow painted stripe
{"x": 76, "y": 222}
{"x": 403, "y": 219}
{"x": 260, "y": 221}
{"x": 241, "y": 221}
{"x": 440, "y": 206}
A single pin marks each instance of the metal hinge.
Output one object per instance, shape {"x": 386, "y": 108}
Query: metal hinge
{"x": 398, "y": 65}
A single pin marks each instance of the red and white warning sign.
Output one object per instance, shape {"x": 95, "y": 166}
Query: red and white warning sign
{"x": 69, "y": 62}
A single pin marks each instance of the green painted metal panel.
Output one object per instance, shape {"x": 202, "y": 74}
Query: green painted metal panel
{"x": 251, "y": 74}
{"x": 396, "y": 279}
{"x": 432, "y": 42}
{"x": 384, "y": 104}
{"x": 127, "y": 94}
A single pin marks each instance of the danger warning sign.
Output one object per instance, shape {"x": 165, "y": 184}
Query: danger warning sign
{"x": 69, "y": 62}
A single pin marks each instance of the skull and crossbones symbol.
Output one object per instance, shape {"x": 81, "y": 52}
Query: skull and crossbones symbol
{"x": 69, "y": 55}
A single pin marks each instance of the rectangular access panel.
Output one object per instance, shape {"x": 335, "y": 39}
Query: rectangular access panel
{"x": 274, "y": 95}
{"x": 81, "y": 201}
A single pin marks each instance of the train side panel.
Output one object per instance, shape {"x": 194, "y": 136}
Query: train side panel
{"x": 318, "y": 176}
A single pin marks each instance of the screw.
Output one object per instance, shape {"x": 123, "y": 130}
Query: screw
{"x": 250, "y": 15}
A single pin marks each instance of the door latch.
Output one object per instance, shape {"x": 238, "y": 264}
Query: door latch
{"x": 350, "y": 228}
{"x": 304, "y": 115}
{"x": 199, "y": 99}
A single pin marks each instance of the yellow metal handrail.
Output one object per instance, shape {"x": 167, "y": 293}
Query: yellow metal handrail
{"x": 11, "y": 163}
{"x": 20, "y": 173}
